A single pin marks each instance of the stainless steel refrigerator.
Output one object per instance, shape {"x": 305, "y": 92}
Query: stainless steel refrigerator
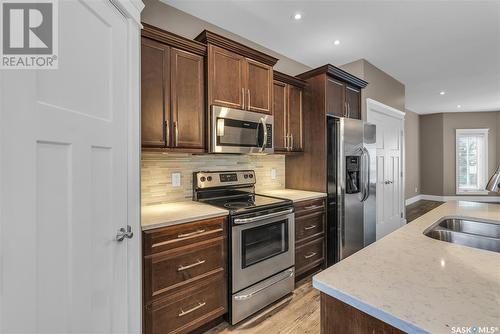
{"x": 351, "y": 168}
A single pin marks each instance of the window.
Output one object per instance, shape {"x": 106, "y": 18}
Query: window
{"x": 471, "y": 160}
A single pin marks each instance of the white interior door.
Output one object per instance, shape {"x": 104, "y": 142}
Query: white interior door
{"x": 64, "y": 181}
{"x": 390, "y": 135}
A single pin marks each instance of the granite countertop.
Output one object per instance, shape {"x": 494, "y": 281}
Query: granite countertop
{"x": 160, "y": 215}
{"x": 293, "y": 194}
{"x": 419, "y": 284}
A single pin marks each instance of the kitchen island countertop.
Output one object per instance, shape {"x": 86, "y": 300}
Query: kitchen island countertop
{"x": 419, "y": 284}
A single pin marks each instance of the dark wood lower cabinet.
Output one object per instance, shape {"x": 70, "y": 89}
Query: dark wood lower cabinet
{"x": 339, "y": 317}
{"x": 310, "y": 224}
{"x": 185, "y": 276}
{"x": 187, "y": 309}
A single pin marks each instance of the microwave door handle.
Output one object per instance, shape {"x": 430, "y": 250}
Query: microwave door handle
{"x": 264, "y": 128}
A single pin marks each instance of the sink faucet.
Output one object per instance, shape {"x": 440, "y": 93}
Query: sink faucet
{"x": 494, "y": 183}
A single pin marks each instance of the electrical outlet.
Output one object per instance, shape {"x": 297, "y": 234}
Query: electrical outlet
{"x": 176, "y": 179}
{"x": 273, "y": 173}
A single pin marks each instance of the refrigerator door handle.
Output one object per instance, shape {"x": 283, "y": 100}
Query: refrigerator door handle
{"x": 366, "y": 170}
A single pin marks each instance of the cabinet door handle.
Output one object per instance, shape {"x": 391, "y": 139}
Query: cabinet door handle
{"x": 248, "y": 94}
{"x": 348, "y": 110}
{"x": 243, "y": 96}
{"x": 176, "y": 134}
{"x": 167, "y": 132}
{"x": 189, "y": 266}
{"x": 310, "y": 255}
{"x": 286, "y": 142}
{"x": 310, "y": 227}
{"x": 291, "y": 142}
{"x": 344, "y": 113}
{"x": 185, "y": 235}
{"x": 200, "y": 305}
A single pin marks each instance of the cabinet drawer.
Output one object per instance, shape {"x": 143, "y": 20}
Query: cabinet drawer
{"x": 309, "y": 255}
{"x": 162, "y": 239}
{"x": 171, "y": 270}
{"x": 188, "y": 309}
{"x": 310, "y": 226}
{"x": 308, "y": 207}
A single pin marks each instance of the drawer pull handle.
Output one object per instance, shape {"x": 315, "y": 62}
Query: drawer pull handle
{"x": 200, "y": 305}
{"x": 310, "y": 255}
{"x": 312, "y": 207}
{"x": 185, "y": 235}
{"x": 309, "y": 227}
{"x": 197, "y": 263}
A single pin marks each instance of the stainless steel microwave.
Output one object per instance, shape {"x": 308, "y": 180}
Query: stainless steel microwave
{"x": 240, "y": 131}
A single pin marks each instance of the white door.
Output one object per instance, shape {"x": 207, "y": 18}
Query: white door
{"x": 65, "y": 180}
{"x": 390, "y": 135}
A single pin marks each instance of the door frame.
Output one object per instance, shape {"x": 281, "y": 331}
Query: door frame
{"x": 378, "y": 107}
{"x": 131, "y": 10}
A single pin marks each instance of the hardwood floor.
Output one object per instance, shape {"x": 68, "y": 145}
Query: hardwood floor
{"x": 293, "y": 315}
{"x": 417, "y": 209}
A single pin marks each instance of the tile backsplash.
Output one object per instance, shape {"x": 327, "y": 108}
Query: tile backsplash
{"x": 157, "y": 169}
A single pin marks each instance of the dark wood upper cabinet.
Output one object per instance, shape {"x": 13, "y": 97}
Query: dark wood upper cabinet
{"x": 238, "y": 76}
{"x": 259, "y": 83}
{"x": 155, "y": 86}
{"x": 335, "y": 101}
{"x": 329, "y": 91}
{"x": 173, "y": 91}
{"x": 188, "y": 99}
{"x": 226, "y": 78}
{"x": 353, "y": 102}
{"x": 288, "y": 114}
{"x": 295, "y": 119}
{"x": 280, "y": 116}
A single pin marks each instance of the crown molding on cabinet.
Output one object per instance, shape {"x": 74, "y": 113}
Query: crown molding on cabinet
{"x": 209, "y": 37}
{"x": 334, "y": 72}
{"x": 282, "y": 77}
{"x": 174, "y": 40}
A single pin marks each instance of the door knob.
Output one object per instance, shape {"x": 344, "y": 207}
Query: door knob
{"x": 387, "y": 182}
{"x": 124, "y": 233}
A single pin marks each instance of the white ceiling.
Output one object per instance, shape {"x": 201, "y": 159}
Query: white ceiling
{"x": 430, "y": 46}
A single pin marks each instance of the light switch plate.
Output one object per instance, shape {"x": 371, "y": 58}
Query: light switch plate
{"x": 176, "y": 179}
{"x": 273, "y": 173}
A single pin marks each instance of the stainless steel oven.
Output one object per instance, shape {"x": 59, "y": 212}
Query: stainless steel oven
{"x": 263, "y": 256}
{"x": 240, "y": 131}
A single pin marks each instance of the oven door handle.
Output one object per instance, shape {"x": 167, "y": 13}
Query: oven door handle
{"x": 239, "y": 221}
{"x": 289, "y": 273}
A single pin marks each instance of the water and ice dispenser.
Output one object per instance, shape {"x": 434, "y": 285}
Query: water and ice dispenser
{"x": 353, "y": 169}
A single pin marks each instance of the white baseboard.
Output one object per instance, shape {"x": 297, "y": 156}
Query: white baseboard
{"x": 413, "y": 199}
{"x": 453, "y": 198}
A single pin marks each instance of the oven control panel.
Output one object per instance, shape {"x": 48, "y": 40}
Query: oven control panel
{"x": 222, "y": 179}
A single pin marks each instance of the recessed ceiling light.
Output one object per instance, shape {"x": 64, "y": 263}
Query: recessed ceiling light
{"x": 459, "y": 106}
{"x": 336, "y": 42}
{"x": 297, "y": 16}
{"x": 441, "y": 92}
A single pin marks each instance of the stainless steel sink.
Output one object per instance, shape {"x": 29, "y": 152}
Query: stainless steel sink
{"x": 467, "y": 232}
{"x": 470, "y": 226}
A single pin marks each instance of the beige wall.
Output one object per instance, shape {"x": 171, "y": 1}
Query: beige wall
{"x": 431, "y": 154}
{"x": 157, "y": 169}
{"x": 381, "y": 86}
{"x": 171, "y": 19}
{"x": 412, "y": 154}
{"x": 437, "y": 147}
